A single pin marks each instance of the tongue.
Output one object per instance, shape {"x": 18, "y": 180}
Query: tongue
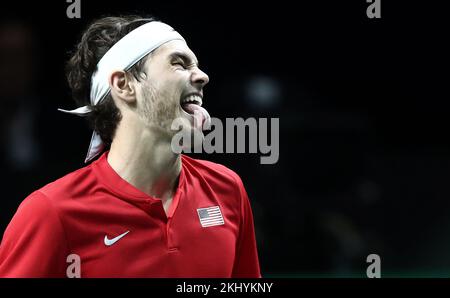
{"x": 200, "y": 114}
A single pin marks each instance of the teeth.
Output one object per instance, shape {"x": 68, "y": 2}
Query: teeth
{"x": 193, "y": 99}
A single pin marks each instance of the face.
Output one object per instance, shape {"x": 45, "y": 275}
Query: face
{"x": 172, "y": 88}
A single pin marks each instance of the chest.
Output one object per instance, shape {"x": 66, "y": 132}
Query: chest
{"x": 137, "y": 242}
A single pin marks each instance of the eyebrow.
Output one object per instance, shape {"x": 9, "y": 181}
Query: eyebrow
{"x": 183, "y": 56}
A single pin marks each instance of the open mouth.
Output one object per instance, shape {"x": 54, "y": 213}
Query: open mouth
{"x": 190, "y": 103}
{"x": 192, "y": 106}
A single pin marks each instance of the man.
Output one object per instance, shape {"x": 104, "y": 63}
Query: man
{"x": 140, "y": 209}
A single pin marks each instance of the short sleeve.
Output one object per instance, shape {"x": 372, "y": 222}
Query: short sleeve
{"x": 34, "y": 243}
{"x": 246, "y": 263}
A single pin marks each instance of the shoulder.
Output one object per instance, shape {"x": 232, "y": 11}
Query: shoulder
{"x": 213, "y": 171}
{"x": 224, "y": 182}
{"x": 36, "y": 216}
{"x": 49, "y": 200}
{"x": 69, "y": 185}
{"x": 35, "y": 205}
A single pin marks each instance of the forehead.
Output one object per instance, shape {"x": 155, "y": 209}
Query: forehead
{"x": 172, "y": 47}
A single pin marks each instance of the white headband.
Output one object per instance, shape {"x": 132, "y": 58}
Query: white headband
{"x": 122, "y": 56}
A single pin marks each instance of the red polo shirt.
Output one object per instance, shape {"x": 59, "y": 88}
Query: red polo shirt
{"x": 119, "y": 231}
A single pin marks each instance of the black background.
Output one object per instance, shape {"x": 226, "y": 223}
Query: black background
{"x": 364, "y": 154}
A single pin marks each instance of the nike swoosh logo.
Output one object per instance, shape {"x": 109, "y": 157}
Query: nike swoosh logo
{"x": 109, "y": 242}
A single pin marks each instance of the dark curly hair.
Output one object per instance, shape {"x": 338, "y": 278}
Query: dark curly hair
{"x": 96, "y": 40}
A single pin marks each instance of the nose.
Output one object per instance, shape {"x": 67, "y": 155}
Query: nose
{"x": 199, "y": 78}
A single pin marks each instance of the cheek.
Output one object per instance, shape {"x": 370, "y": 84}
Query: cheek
{"x": 168, "y": 91}
{"x": 173, "y": 91}
{"x": 168, "y": 104}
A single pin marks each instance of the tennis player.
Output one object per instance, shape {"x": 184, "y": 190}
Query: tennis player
{"x": 138, "y": 209}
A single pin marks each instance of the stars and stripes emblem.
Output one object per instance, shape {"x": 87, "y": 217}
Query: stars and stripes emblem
{"x": 211, "y": 216}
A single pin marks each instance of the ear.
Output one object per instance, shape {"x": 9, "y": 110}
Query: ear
{"x": 122, "y": 86}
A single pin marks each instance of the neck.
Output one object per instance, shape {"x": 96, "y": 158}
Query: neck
{"x": 143, "y": 157}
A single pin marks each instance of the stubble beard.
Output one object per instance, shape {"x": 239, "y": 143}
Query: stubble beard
{"x": 158, "y": 109}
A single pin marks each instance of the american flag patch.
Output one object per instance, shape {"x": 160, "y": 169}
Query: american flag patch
{"x": 210, "y": 216}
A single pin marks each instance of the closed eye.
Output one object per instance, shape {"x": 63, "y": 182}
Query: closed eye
{"x": 179, "y": 63}
{"x": 183, "y": 59}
